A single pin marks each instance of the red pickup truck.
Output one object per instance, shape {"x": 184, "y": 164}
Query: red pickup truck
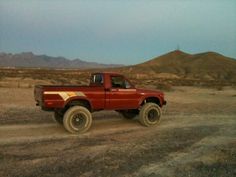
{"x": 73, "y": 105}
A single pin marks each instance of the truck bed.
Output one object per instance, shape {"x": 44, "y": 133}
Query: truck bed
{"x": 40, "y": 89}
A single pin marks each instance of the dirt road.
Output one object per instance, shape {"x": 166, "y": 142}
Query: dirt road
{"x": 197, "y": 137}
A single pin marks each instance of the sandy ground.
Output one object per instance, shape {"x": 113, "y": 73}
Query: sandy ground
{"x": 197, "y": 137}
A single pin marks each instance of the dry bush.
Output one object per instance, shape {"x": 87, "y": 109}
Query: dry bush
{"x": 233, "y": 87}
{"x": 219, "y": 88}
{"x": 164, "y": 86}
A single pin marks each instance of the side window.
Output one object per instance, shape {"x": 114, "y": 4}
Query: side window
{"x": 97, "y": 79}
{"x": 119, "y": 82}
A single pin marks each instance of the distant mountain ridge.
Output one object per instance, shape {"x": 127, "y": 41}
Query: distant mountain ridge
{"x": 28, "y": 59}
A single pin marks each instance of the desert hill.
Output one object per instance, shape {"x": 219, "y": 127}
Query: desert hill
{"x": 178, "y": 64}
{"x": 28, "y": 59}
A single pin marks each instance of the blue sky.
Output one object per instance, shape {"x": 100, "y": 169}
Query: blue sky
{"x": 117, "y": 31}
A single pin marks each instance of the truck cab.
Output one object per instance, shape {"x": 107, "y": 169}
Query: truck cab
{"x": 106, "y": 91}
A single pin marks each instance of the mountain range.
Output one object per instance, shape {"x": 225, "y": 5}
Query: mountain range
{"x": 173, "y": 65}
{"x": 28, "y": 60}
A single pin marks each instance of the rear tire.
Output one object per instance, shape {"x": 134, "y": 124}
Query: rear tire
{"x": 77, "y": 119}
{"x": 150, "y": 114}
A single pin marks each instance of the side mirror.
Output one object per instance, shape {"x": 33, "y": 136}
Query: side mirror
{"x": 128, "y": 85}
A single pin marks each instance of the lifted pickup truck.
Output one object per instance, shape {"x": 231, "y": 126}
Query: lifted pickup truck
{"x": 73, "y": 105}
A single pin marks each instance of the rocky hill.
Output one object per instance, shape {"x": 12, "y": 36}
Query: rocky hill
{"x": 178, "y": 64}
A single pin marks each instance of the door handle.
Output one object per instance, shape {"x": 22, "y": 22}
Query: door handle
{"x": 111, "y": 90}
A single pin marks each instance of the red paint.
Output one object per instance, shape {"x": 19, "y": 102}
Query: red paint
{"x": 114, "y": 92}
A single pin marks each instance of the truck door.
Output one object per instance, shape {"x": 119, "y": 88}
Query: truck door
{"x": 121, "y": 95}
{"x": 98, "y": 93}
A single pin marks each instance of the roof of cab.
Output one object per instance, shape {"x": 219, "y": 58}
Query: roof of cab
{"x": 107, "y": 72}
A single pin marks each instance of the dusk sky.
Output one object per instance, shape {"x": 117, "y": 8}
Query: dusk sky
{"x": 117, "y": 31}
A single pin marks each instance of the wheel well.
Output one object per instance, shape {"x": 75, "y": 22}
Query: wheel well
{"x": 80, "y": 102}
{"x": 151, "y": 100}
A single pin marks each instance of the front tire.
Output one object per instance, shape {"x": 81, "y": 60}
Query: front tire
{"x": 77, "y": 119}
{"x": 150, "y": 114}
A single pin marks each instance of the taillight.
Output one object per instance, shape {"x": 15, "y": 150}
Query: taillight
{"x": 42, "y": 95}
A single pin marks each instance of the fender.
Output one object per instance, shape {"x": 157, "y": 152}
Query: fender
{"x": 150, "y": 96}
{"x": 74, "y": 98}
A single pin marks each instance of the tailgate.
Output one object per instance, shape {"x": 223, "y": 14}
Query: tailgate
{"x": 38, "y": 95}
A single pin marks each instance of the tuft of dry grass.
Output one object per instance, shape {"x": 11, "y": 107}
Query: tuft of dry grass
{"x": 164, "y": 86}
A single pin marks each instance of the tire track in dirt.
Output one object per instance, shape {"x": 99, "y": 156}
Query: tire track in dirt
{"x": 20, "y": 133}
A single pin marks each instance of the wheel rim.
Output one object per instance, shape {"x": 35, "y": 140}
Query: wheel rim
{"x": 78, "y": 121}
{"x": 153, "y": 115}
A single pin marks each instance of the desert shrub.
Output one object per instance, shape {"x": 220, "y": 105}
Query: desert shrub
{"x": 233, "y": 87}
{"x": 219, "y": 88}
{"x": 164, "y": 86}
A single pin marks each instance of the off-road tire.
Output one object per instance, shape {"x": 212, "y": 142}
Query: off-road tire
{"x": 127, "y": 114}
{"x": 58, "y": 117}
{"x": 150, "y": 114}
{"x": 77, "y": 119}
